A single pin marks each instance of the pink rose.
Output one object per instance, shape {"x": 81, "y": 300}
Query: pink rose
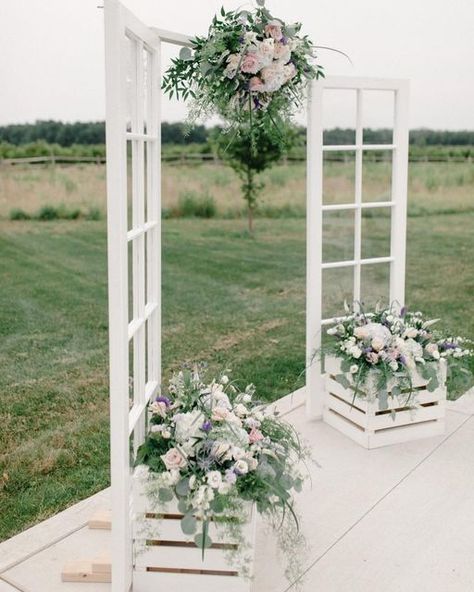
{"x": 273, "y": 77}
{"x": 255, "y": 436}
{"x": 256, "y": 84}
{"x": 290, "y": 71}
{"x": 173, "y": 459}
{"x": 250, "y": 64}
{"x": 273, "y": 29}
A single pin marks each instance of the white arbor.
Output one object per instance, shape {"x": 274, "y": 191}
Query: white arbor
{"x": 133, "y": 81}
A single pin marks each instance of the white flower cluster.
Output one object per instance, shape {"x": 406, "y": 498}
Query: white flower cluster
{"x": 393, "y": 337}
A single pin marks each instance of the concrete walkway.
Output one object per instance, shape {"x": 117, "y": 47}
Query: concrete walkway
{"x": 394, "y": 519}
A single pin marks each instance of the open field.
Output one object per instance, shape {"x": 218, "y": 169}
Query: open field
{"x": 433, "y": 187}
{"x": 227, "y": 299}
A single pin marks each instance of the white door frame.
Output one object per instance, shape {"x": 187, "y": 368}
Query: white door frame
{"x": 315, "y": 209}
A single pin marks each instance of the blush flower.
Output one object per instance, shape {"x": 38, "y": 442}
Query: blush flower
{"x": 250, "y": 64}
{"x": 173, "y": 459}
{"x": 274, "y": 30}
{"x": 255, "y": 435}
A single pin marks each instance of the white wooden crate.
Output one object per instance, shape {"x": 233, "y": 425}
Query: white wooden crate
{"x": 363, "y": 421}
{"x": 166, "y": 559}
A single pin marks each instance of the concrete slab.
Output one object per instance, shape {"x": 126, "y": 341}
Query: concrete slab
{"x": 33, "y": 540}
{"x": 420, "y": 537}
{"x": 42, "y": 571}
{"x": 464, "y": 404}
{"x": 5, "y": 587}
{"x": 373, "y": 519}
{"x": 349, "y": 483}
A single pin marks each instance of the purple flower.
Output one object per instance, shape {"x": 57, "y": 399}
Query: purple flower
{"x": 403, "y": 312}
{"x": 402, "y": 360}
{"x": 284, "y": 40}
{"x": 164, "y": 400}
{"x": 206, "y": 426}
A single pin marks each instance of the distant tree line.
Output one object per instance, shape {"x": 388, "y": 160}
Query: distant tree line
{"x": 93, "y": 133}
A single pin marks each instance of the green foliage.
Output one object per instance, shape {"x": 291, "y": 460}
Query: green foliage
{"x": 251, "y": 151}
{"x": 192, "y": 204}
{"x": 19, "y": 214}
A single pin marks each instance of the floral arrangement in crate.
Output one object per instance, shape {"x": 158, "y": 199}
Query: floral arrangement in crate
{"x": 251, "y": 69}
{"x": 392, "y": 344}
{"x": 215, "y": 450}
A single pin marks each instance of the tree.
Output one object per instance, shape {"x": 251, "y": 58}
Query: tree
{"x": 249, "y": 153}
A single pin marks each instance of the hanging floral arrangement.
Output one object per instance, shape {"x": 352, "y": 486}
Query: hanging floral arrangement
{"x": 251, "y": 69}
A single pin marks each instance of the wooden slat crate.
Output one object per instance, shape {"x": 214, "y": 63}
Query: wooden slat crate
{"x": 166, "y": 559}
{"x": 361, "y": 419}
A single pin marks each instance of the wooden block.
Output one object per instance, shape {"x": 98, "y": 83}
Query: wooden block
{"x": 102, "y": 564}
{"x": 81, "y": 571}
{"x": 102, "y": 519}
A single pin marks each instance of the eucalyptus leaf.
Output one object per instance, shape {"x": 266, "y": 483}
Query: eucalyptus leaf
{"x": 396, "y": 391}
{"x": 346, "y": 365}
{"x": 393, "y": 414}
{"x": 203, "y": 541}
{"x": 261, "y": 2}
{"x": 205, "y": 67}
{"x": 189, "y": 524}
{"x": 182, "y": 487}
{"x": 286, "y": 481}
{"x": 185, "y": 54}
{"x": 165, "y": 495}
{"x": 182, "y": 506}
{"x": 382, "y": 397}
{"x": 342, "y": 380}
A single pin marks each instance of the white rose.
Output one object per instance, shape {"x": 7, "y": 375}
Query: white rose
{"x": 393, "y": 365}
{"x": 377, "y": 343}
{"x": 224, "y": 379}
{"x": 240, "y": 410}
{"x": 224, "y": 488}
{"x": 214, "y": 478}
{"x": 265, "y": 51}
{"x": 232, "y": 64}
{"x": 173, "y": 459}
{"x": 252, "y": 462}
{"x": 362, "y": 332}
{"x": 410, "y": 332}
{"x": 273, "y": 77}
{"x": 332, "y": 331}
{"x": 222, "y": 451}
{"x": 241, "y": 467}
{"x": 166, "y": 434}
{"x": 354, "y": 368}
{"x": 247, "y": 398}
{"x": 220, "y": 413}
{"x": 188, "y": 425}
{"x": 355, "y": 352}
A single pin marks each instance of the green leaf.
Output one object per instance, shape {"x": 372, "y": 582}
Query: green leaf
{"x": 396, "y": 391}
{"x": 342, "y": 380}
{"x": 261, "y": 2}
{"x": 298, "y": 485}
{"x": 218, "y": 505}
{"x": 189, "y": 524}
{"x": 346, "y": 365}
{"x": 286, "y": 482}
{"x": 393, "y": 414}
{"x": 165, "y": 495}
{"x": 182, "y": 506}
{"x": 203, "y": 541}
{"x": 382, "y": 397}
{"x": 185, "y": 54}
{"x": 182, "y": 487}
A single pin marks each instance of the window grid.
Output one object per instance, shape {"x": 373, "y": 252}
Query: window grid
{"x": 315, "y": 211}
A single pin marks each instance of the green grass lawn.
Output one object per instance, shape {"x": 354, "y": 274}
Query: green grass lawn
{"x": 227, "y": 299}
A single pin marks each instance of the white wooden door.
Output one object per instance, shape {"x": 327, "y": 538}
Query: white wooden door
{"x": 133, "y": 128}
{"x": 134, "y": 254}
{"x": 317, "y": 207}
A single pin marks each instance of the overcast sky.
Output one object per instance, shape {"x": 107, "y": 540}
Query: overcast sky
{"x": 52, "y": 62}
